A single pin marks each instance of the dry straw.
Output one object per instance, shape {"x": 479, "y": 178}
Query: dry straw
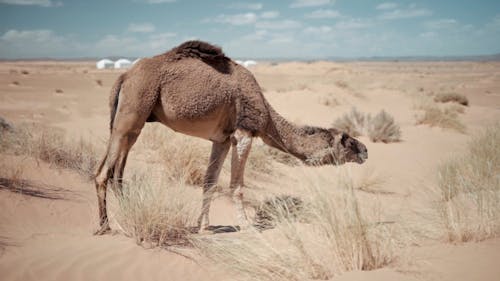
{"x": 469, "y": 190}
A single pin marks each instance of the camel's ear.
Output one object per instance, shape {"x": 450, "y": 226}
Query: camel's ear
{"x": 344, "y": 139}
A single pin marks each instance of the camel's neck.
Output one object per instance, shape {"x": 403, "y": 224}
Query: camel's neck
{"x": 287, "y": 137}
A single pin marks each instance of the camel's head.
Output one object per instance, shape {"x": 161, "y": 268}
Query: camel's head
{"x": 335, "y": 148}
{"x": 349, "y": 149}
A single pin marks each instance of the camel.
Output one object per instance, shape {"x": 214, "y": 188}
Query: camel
{"x": 196, "y": 90}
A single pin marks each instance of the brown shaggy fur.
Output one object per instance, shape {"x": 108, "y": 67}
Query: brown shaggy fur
{"x": 196, "y": 90}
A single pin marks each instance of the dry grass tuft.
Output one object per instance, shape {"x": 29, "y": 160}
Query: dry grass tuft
{"x": 52, "y": 146}
{"x": 353, "y": 123}
{"x": 98, "y": 82}
{"x": 336, "y": 238}
{"x": 259, "y": 160}
{"x": 446, "y": 118}
{"x": 381, "y": 128}
{"x": 469, "y": 185}
{"x": 160, "y": 213}
{"x": 452, "y": 97}
{"x": 183, "y": 159}
{"x": 271, "y": 211}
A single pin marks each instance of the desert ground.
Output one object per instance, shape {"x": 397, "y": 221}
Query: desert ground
{"x": 49, "y": 212}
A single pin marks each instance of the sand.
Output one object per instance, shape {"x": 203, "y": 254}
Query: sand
{"x": 51, "y": 238}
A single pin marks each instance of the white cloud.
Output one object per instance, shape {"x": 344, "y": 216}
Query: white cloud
{"x": 318, "y": 30}
{"x": 270, "y": 14}
{"x": 441, "y": 23}
{"x": 238, "y": 19}
{"x": 144, "y": 27}
{"x": 427, "y": 35}
{"x": 46, "y": 43}
{"x": 161, "y": 41}
{"x": 256, "y": 36}
{"x": 411, "y": 12}
{"x": 353, "y": 23}
{"x": 323, "y": 14}
{"x": 39, "y": 36}
{"x": 245, "y": 6}
{"x": 43, "y": 3}
{"x": 282, "y": 24}
{"x": 386, "y": 6}
{"x": 494, "y": 23}
{"x": 281, "y": 39}
{"x": 310, "y": 3}
{"x": 37, "y": 43}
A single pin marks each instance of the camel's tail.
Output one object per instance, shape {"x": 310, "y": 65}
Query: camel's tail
{"x": 113, "y": 99}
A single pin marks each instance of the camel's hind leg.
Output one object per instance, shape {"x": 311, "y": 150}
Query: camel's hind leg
{"x": 217, "y": 157}
{"x": 242, "y": 142}
{"x": 123, "y": 136}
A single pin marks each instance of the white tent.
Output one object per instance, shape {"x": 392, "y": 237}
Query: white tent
{"x": 105, "y": 63}
{"x": 123, "y": 63}
{"x": 248, "y": 63}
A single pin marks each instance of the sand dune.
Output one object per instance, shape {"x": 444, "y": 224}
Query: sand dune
{"x": 45, "y": 228}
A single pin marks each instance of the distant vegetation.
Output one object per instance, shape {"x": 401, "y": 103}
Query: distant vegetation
{"x": 380, "y": 128}
{"x": 436, "y": 115}
{"x": 452, "y": 97}
{"x": 51, "y": 146}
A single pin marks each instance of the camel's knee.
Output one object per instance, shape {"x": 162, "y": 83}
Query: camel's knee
{"x": 101, "y": 179}
{"x": 237, "y": 193}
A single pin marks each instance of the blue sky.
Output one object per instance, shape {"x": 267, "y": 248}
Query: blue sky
{"x": 249, "y": 29}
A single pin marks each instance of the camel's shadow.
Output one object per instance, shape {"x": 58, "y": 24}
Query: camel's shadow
{"x": 215, "y": 229}
{"x": 223, "y": 228}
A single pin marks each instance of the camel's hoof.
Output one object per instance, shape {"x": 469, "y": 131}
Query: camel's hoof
{"x": 105, "y": 229}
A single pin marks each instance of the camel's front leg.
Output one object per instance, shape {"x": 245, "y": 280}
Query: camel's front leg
{"x": 217, "y": 157}
{"x": 241, "y": 142}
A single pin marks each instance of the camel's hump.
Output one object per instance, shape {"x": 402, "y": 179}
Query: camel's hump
{"x": 199, "y": 49}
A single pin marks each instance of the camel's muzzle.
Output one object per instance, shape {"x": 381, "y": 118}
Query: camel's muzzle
{"x": 362, "y": 156}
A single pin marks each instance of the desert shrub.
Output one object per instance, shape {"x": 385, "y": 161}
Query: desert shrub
{"x": 383, "y": 129}
{"x": 337, "y": 238}
{"x": 158, "y": 213}
{"x": 59, "y": 91}
{"x": 446, "y": 118}
{"x": 469, "y": 190}
{"x": 342, "y": 84}
{"x": 25, "y": 72}
{"x": 452, "y": 97}
{"x": 353, "y": 123}
{"x": 98, "y": 82}
{"x": 5, "y": 125}
{"x": 329, "y": 101}
{"x": 16, "y": 83}
{"x": 52, "y": 146}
